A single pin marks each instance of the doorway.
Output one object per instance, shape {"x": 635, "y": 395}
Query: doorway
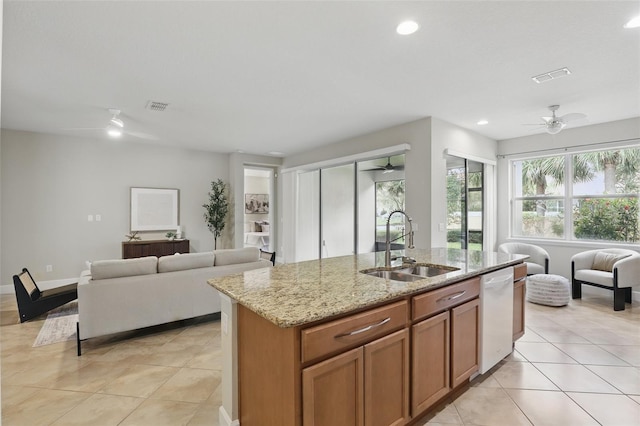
{"x": 465, "y": 195}
{"x": 258, "y": 199}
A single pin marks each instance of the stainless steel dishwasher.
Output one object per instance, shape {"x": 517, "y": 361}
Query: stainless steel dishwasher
{"x": 496, "y": 317}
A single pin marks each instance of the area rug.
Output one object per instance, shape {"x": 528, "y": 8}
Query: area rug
{"x": 59, "y": 326}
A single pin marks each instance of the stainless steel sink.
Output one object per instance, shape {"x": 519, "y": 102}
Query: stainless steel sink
{"x": 409, "y": 273}
{"x": 393, "y": 275}
{"x": 427, "y": 270}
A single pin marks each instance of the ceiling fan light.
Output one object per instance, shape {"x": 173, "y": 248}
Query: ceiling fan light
{"x": 116, "y": 121}
{"x": 114, "y": 131}
{"x": 407, "y": 27}
{"x": 555, "y": 127}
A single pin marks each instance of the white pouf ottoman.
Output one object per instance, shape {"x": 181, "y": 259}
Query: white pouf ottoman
{"x": 550, "y": 290}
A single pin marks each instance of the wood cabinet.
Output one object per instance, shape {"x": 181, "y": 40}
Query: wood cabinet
{"x": 132, "y": 249}
{"x": 430, "y": 361}
{"x": 445, "y": 346}
{"x": 366, "y": 386}
{"x": 519, "y": 293}
{"x": 465, "y": 341}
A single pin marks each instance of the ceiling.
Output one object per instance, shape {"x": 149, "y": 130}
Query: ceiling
{"x": 264, "y": 76}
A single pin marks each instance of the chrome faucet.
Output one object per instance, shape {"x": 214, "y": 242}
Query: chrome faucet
{"x": 387, "y": 252}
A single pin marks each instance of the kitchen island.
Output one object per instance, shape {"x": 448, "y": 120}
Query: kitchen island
{"x": 320, "y": 341}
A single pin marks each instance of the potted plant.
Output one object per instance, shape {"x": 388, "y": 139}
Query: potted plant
{"x": 216, "y": 210}
{"x": 170, "y": 235}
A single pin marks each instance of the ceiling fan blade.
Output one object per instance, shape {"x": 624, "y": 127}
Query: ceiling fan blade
{"x": 141, "y": 135}
{"x": 546, "y": 119}
{"x": 573, "y": 116}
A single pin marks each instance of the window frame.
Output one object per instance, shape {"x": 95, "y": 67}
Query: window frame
{"x": 568, "y": 198}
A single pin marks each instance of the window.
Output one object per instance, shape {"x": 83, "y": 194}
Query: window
{"x": 389, "y": 197}
{"x": 586, "y": 196}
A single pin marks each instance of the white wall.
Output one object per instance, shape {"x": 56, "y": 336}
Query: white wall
{"x": 598, "y": 135}
{"x": 50, "y": 184}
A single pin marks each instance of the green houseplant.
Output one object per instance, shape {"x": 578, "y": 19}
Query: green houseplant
{"x": 216, "y": 210}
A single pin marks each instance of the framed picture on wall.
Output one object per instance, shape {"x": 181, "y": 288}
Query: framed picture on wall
{"x": 154, "y": 209}
{"x": 256, "y": 203}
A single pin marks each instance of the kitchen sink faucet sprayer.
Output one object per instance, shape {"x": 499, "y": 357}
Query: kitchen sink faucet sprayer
{"x": 387, "y": 252}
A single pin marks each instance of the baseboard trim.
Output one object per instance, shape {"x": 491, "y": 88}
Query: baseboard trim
{"x": 7, "y": 289}
{"x": 225, "y": 419}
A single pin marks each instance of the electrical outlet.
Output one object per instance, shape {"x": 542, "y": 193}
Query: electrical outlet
{"x": 49, "y": 268}
{"x": 90, "y": 218}
{"x": 98, "y": 218}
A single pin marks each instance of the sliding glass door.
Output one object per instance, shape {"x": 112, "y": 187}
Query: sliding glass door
{"x": 465, "y": 195}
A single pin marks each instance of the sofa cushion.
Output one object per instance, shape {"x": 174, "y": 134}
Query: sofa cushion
{"x": 103, "y": 269}
{"x": 604, "y": 261}
{"x": 235, "y": 256}
{"x": 180, "y": 262}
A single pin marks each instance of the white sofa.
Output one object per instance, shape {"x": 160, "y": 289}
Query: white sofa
{"x": 121, "y": 295}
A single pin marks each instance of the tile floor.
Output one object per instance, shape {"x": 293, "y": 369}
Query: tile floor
{"x": 576, "y": 365}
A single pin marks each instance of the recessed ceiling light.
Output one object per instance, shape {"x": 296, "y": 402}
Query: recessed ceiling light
{"x": 633, "y": 23}
{"x": 407, "y": 27}
{"x": 482, "y": 123}
{"x": 114, "y": 131}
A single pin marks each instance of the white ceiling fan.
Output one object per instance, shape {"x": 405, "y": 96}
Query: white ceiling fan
{"x": 116, "y": 128}
{"x": 555, "y": 124}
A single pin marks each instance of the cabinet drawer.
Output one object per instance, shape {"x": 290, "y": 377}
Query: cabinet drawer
{"x": 443, "y": 298}
{"x": 519, "y": 271}
{"x": 352, "y": 331}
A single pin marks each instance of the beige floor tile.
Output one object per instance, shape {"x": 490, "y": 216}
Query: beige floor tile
{"x": 522, "y": 375}
{"x": 590, "y": 354}
{"x": 209, "y": 358}
{"x": 636, "y": 398}
{"x": 549, "y": 408}
{"x": 629, "y": 354}
{"x": 515, "y": 356}
{"x": 139, "y": 380}
{"x": 447, "y": 415}
{"x": 609, "y": 410}
{"x": 161, "y": 413}
{"x": 207, "y": 415}
{"x": 104, "y": 410}
{"x": 543, "y": 352}
{"x": 575, "y": 378}
{"x": 490, "y": 407}
{"x": 559, "y": 335}
{"x": 608, "y": 337}
{"x": 14, "y": 395}
{"x": 90, "y": 377}
{"x": 531, "y": 336}
{"x": 172, "y": 354}
{"x": 487, "y": 380}
{"x": 626, "y": 379}
{"x": 42, "y": 408}
{"x": 189, "y": 385}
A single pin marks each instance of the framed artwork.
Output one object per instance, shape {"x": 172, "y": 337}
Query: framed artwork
{"x": 154, "y": 209}
{"x": 256, "y": 203}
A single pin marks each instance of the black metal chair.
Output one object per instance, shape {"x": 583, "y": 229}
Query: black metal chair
{"x": 33, "y": 302}
{"x": 268, "y": 255}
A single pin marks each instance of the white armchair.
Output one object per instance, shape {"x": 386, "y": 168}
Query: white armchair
{"x": 612, "y": 269}
{"x": 538, "y": 262}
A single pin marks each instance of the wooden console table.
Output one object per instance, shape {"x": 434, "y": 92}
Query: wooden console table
{"x": 131, "y": 249}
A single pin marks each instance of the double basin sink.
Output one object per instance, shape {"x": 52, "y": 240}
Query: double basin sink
{"x": 409, "y": 273}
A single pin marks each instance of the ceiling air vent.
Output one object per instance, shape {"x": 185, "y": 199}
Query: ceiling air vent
{"x": 157, "y": 106}
{"x": 551, "y": 75}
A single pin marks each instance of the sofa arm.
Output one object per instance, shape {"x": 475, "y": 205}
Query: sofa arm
{"x": 583, "y": 260}
{"x": 628, "y": 270}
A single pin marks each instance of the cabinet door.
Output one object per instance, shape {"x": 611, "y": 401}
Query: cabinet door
{"x": 430, "y": 361}
{"x": 332, "y": 391}
{"x": 518, "y": 309}
{"x": 464, "y": 341}
{"x": 386, "y": 380}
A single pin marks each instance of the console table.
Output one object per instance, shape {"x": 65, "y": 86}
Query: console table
{"x": 131, "y": 249}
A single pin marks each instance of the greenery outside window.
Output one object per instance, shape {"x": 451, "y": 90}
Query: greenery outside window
{"x": 390, "y": 197}
{"x": 586, "y": 196}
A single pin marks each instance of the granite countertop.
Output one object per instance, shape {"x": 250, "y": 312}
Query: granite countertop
{"x": 299, "y": 293}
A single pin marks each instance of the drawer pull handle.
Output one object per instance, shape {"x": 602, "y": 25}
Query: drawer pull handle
{"x": 363, "y": 329}
{"x": 451, "y": 297}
